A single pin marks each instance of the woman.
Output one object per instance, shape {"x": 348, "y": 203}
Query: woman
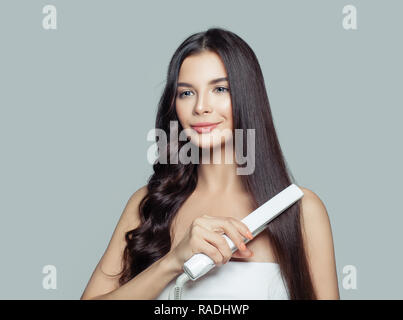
{"x": 214, "y": 77}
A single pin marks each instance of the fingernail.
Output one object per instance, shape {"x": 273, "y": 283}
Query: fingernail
{"x": 242, "y": 246}
{"x": 249, "y": 234}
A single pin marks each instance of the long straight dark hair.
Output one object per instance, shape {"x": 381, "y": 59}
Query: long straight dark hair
{"x": 171, "y": 184}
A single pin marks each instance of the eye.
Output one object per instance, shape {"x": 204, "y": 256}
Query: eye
{"x": 223, "y": 89}
{"x": 183, "y": 93}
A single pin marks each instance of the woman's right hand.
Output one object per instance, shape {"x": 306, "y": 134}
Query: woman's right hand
{"x": 205, "y": 236}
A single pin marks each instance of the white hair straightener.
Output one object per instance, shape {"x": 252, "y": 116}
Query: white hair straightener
{"x": 199, "y": 264}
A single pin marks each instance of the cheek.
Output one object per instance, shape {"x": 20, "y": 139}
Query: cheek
{"x": 182, "y": 114}
{"x": 225, "y": 110}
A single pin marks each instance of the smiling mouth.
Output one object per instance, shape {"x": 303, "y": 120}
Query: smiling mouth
{"x": 205, "y": 128}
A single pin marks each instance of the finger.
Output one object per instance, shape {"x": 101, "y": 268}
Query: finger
{"x": 242, "y": 227}
{"x": 219, "y": 242}
{"x": 211, "y": 251}
{"x": 232, "y": 227}
{"x": 242, "y": 254}
{"x": 234, "y": 233}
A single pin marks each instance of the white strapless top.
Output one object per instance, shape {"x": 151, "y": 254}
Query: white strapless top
{"x": 235, "y": 280}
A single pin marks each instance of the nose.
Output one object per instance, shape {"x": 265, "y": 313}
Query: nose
{"x": 202, "y": 105}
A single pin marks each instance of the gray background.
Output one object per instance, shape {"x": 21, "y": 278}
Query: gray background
{"x": 76, "y": 104}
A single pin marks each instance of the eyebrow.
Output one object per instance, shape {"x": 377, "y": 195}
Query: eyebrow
{"x": 185, "y": 84}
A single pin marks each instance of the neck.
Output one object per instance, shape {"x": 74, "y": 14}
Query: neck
{"x": 220, "y": 177}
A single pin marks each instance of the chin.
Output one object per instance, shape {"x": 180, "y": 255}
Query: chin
{"x": 209, "y": 145}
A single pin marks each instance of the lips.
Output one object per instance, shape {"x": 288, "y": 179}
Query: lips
{"x": 204, "y": 127}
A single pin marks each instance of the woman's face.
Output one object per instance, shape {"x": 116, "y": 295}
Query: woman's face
{"x": 203, "y": 96}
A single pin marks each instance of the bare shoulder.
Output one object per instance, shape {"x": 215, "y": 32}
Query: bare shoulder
{"x": 104, "y": 278}
{"x": 315, "y": 222}
{"x": 318, "y": 242}
{"x": 313, "y": 208}
{"x": 130, "y": 216}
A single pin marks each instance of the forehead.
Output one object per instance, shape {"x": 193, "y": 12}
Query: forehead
{"x": 202, "y": 67}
